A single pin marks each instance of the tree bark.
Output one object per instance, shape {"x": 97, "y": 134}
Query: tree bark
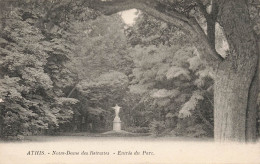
{"x": 236, "y": 82}
{"x": 251, "y": 122}
{"x": 234, "y": 107}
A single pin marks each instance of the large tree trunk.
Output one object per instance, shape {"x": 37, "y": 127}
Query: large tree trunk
{"x": 235, "y": 107}
{"x": 251, "y": 122}
{"x": 236, "y": 83}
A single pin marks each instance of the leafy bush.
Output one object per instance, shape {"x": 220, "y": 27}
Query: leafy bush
{"x": 137, "y": 129}
{"x": 196, "y": 131}
{"x": 157, "y": 128}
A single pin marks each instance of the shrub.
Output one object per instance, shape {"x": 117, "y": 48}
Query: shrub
{"x": 157, "y": 127}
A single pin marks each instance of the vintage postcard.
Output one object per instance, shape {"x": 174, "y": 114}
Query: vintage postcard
{"x": 129, "y": 81}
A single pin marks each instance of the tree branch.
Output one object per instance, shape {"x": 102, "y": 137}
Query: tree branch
{"x": 211, "y": 19}
{"x": 214, "y": 11}
{"x": 189, "y": 25}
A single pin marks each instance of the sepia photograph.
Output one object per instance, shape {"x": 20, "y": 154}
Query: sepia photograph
{"x": 129, "y": 81}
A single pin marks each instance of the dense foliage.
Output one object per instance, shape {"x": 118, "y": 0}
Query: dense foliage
{"x": 176, "y": 88}
{"x": 32, "y": 97}
{"x": 35, "y": 54}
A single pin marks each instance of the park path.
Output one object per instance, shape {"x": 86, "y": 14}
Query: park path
{"x": 102, "y": 137}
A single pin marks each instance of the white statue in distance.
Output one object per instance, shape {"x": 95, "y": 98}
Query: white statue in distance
{"x": 117, "y": 109}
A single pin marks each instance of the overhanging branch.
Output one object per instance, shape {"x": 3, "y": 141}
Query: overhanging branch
{"x": 189, "y": 25}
